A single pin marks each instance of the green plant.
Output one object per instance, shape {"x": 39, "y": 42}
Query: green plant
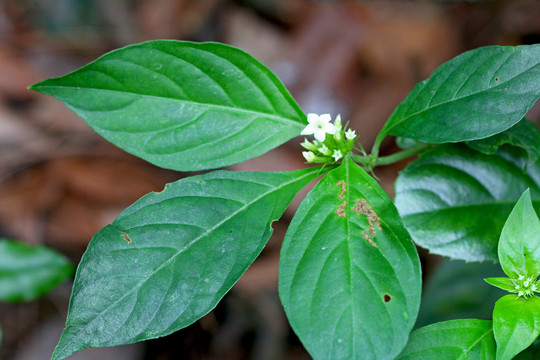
{"x": 350, "y": 277}
{"x": 28, "y": 272}
{"x": 516, "y": 318}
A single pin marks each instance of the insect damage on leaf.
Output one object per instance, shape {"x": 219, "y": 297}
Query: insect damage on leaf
{"x": 361, "y": 207}
{"x": 343, "y": 185}
{"x": 387, "y": 298}
{"x": 340, "y": 211}
{"x": 127, "y": 238}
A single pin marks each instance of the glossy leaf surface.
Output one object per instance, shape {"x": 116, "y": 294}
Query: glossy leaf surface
{"x": 455, "y": 200}
{"x": 170, "y": 257}
{"x": 516, "y": 324}
{"x": 503, "y": 283}
{"x": 524, "y": 134}
{"x": 477, "y": 94}
{"x": 519, "y": 246}
{"x": 456, "y": 290}
{"x": 28, "y": 272}
{"x": 469, "y": 339}
{"x": 349, "y": 274}
{"x": 182, "y": 105}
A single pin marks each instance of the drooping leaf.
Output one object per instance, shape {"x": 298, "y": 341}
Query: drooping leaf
{"x": 28, "y": 272}
{"x": 456, "y": 290}
{"x": 502, "y": 283}
{"x": 349, "y": 274}
{"x": 519, "y": 246}
{"x": 524, "y": 134}
{"x": 477, "y": 94}
{"x": 469, "y": 339}
{"x": 516, "y": 324}
{"x": 169, "y": 258}
{"x": 181, "y": 105}
{"x": 455, "y": 201}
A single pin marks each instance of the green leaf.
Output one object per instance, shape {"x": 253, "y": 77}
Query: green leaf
{"x": 470, "y": 339}
{"x": 531, "y": 353}
{"x": 519, "y": 246}
{"x": 524, "y": 134}
{"x": 477, "y": 94}
{"x": 502, "y": 283}
{"x": 28, "y": 272}
{"x": 349, "y": 275}
{"x": 516, "y": 324}
{"x": 168, "y": 259}
{"x": 456, "y": 290}
{"x": 182, "y": 105}
{"x": 455, "y": 201}
{"x": 406, "y": 143}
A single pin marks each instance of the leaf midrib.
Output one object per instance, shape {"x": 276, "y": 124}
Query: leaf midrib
{"x": 405, "y": 118}
{"x": 474, "y": 344}
{"x": 165, "y": 263}
{"x": 209, "y": 105}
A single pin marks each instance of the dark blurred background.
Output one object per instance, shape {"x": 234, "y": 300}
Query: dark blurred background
{"x": 60, "y": 182}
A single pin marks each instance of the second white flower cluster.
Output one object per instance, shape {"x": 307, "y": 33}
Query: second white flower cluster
{"x": 331, "y": 142}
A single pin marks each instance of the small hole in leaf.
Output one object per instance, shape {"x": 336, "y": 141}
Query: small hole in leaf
{"x": 387, "y": 298}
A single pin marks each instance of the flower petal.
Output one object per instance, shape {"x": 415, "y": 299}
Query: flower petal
{"x": 325, "y": 118}
{"x": 320, "y": 134}
{"x": 312, "y": 118}
{"x": 329, "y": 128}
{"x": 308, "y": 130}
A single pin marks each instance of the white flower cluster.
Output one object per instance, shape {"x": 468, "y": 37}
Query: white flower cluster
{"x": 324, "y": 148}
{"x": 526, "y": 285}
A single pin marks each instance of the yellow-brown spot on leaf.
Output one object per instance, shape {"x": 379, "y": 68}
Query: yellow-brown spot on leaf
{"x": 340, "y": 211}
{"x": 361, "y": 207}
{"x": 369, "y": 239}
{"x": 343, "y": 185}
{"x": 127, "y": 238}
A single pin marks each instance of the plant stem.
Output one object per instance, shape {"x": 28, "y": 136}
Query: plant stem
{"x": 371, "y": 160}
{"x": 364, "y": 160}
{"x": 390, "y": 159}
{"x": 377, "y": 144}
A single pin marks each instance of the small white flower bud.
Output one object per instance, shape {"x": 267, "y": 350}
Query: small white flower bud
{"x": 337, "y": 155}
{"x": 309, "y": 156}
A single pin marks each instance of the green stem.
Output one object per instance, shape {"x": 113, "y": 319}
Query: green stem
{"x": 377, "y": 144}
{"x": 372, "y": 161}
{"x": 390, "y": 159}
{"x": 364, "y": 160}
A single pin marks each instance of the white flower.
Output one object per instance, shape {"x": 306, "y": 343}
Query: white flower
{"x": 350, "y": 134}
{"x": 319, "y": 126}
{"x": 324, "y": 150}
{"x": 308, "y": 155}
{"x": 337, "y": 155}
{"x": 521, "y": 277}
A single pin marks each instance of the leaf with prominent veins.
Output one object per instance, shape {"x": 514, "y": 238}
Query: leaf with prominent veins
{"x": 455, "y": 200}
{"x": 182, "y": 105}
{"x": 477, "y": 94}
{"x": 169, "y": 258}
{"x": 349, "y": 274}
